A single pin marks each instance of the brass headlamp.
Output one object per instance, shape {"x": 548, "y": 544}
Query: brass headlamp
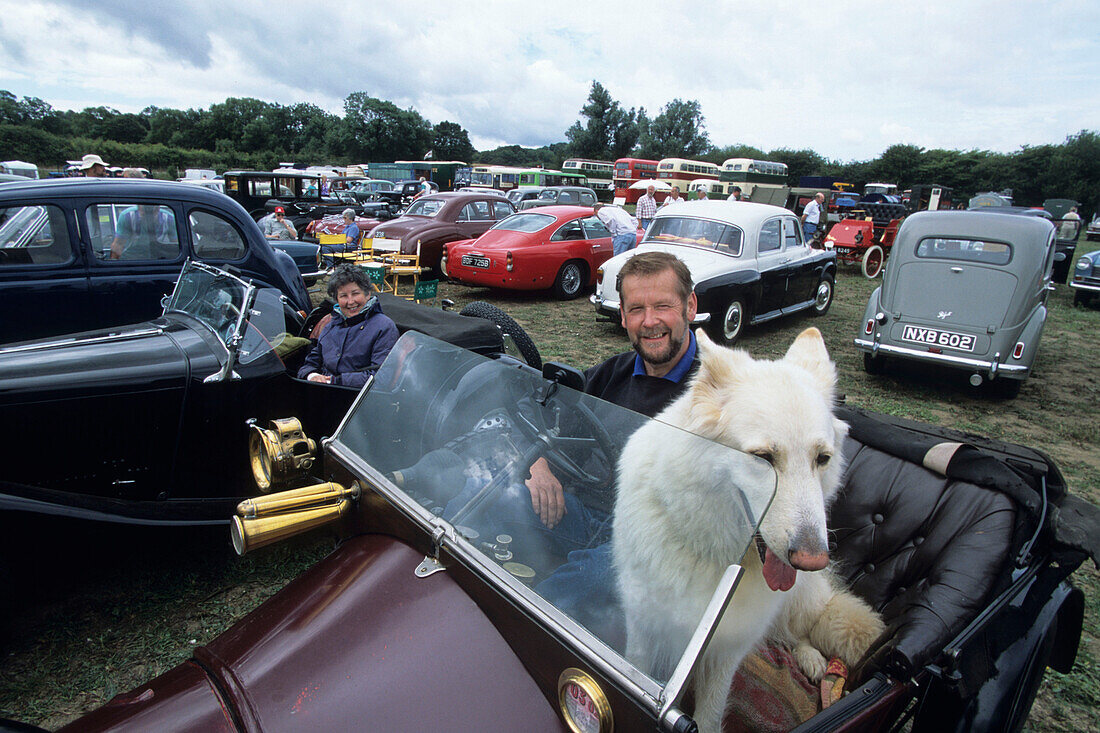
{"x": 279, "y": 452}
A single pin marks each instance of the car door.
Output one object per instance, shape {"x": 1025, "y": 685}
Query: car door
{"x": 43, "y": 274}
{"x": 771, "y": 264}
{"x": 802, "y": 265}
{"x": 599, "y": 242}
{"x": 476, "y": 218}
{"x": 134, "y": 252}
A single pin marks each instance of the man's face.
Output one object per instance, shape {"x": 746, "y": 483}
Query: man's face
{"x": 650, "y": 190}
{"x": 656, "y": 319}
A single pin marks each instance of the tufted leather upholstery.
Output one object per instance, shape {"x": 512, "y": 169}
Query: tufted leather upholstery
{"x": 924, "y": 550}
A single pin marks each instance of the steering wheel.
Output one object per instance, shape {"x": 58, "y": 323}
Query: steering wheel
{"x": 533, "y": 426}
{"x": 229, "y": 315}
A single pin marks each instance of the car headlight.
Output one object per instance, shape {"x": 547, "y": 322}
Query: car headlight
{"x": 1084, "y": 263}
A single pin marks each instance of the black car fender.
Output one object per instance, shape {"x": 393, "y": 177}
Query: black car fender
{"x": 1042, "y": 628}
{"x": 715, "y": 293}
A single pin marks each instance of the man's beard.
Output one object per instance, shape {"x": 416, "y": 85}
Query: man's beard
{"x": 662, "y": 357}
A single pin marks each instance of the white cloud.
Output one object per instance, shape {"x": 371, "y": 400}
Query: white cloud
{"x": 847, "y": 79}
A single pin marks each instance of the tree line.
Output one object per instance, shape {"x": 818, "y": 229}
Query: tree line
{"x": 247, "y": 132}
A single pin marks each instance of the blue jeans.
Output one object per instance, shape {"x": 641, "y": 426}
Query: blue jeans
{"x": 808, "y": 229}
{"x": 623, "y": 242}
{"x": 645, "y": 224}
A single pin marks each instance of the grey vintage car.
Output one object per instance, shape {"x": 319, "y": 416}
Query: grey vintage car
{"x": 965, "y": 289}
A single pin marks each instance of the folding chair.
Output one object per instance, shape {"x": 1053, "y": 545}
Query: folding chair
{"x": 425, "y": 290}
{"x": 376, "y": 271}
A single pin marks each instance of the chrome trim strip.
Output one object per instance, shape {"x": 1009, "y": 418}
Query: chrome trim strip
{"x": 61, "y": 343}
{"x": 677, "y": 681}
{"x": 960, "y": 361}
{"x": 1083, "y": 286}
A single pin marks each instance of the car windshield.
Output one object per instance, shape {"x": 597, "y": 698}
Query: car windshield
{"x": 425, "y": 207}
{"x": 965, "y": 250}
{"x": 229, "y": 306}
{"x": 704, "y": 233}
{"x": 525, "y": 222}
{"x": 449, "y": 436}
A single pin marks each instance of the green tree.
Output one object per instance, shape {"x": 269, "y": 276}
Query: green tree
{"x": 678, "y": 131}
{"x": 451, "y": 142}
{"x": 799, "y": 163}
{"x": 610, "y": 131}
{"x": 381, "y": 131}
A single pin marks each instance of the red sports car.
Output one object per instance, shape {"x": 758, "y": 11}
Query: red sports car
{"x": 558, "y": 247}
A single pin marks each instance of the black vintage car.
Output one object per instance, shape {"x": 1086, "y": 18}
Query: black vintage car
{"x": 161, "y": 406}
{"x": 437, "y": 612}
{"x": 83, "y": 253}
{"x": 300, "y": 195}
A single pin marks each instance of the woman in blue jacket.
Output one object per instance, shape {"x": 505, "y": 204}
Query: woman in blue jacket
{"x": 356, "y": 341}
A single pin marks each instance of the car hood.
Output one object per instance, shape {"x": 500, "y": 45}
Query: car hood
{"x": 703, "y": 264}
{"x": 951, "y": 293}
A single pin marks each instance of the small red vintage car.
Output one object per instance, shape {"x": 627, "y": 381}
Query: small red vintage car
{"x": 553, "y": 247}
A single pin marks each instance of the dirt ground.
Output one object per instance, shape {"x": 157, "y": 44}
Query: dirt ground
{"x": 95, "y": 611}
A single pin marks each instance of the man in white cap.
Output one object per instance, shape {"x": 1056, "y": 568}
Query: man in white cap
{"x": 92, "y": 166}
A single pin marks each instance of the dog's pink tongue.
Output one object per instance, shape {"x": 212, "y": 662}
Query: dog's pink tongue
{"x": 778, "y": 574}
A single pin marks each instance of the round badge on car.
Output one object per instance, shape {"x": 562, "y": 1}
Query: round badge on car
{"x": 583, "y": 704}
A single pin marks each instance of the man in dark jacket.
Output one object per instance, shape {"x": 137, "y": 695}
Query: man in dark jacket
{"x": 356, "y": 341}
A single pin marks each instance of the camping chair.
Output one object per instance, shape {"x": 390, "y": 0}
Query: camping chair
{"x": 400, "y": 265}
{"x": 376, "y": 271}
{"x": 425, "y": 290}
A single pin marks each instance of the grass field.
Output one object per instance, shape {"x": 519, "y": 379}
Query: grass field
{"x": 97, "y": 610}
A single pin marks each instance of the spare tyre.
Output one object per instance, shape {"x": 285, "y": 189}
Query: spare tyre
{"x": 488, "y": 311}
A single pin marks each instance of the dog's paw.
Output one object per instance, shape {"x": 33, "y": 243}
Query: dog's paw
{"x": 810, "y": 661}
{"x": 847, "y": 628}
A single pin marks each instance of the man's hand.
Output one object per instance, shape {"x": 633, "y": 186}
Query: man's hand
{"x": 547, "y": 497}
{"x": 318, "y": 377}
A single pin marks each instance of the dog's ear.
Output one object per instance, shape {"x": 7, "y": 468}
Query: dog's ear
{"x": 808, "y": 351}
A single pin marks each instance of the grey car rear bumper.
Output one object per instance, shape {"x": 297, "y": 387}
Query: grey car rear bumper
{"x": 992, "y": 368}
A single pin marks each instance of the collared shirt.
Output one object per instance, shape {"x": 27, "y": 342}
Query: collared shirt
{"x": 647, "y": 207}
{"x": 270, "y": 225}
{"x": 671, "y": 200}
{"x": 812, "y": 212}
{"x": 617, "y": 221}
{"x": 676, "y": 373}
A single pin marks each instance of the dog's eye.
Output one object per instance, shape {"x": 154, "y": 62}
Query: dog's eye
{"x": 767, "y": 456}
{"x": 823, "y": 458}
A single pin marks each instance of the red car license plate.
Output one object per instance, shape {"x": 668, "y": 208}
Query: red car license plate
{"x": 936, "y": 337}
{"x": 475, "y": 261}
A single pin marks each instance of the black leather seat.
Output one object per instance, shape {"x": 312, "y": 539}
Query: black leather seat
{"x": 924, "y": 550}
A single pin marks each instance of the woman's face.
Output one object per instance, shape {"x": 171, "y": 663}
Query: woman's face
{"x": 351, "y": 299}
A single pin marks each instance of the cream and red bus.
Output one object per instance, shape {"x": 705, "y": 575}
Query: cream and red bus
{"x": 680, "y": 172}
{"x": 768, "y": 176}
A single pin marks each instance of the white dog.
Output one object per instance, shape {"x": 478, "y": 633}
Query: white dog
{"x": 675, "y": 526}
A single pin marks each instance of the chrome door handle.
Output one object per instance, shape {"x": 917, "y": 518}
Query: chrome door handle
{"x": 956, "y": 269}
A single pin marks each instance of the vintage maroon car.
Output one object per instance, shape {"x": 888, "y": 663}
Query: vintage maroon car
{"x": 434, "y": 220}
{"x": 558, "y": 247}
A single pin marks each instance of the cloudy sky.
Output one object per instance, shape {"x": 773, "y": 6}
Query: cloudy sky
{"x": 846, "y": 79}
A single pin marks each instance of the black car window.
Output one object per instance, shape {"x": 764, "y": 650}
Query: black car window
{"x": 34, "y": 235}
{"x": 501, "y": 210}
{"x": 214, "y": 238}
{"x": 477, "y": 211}
{"x": 769, "y": 237}
{"x": 791, "y": 233}
{"x": 594, "y": 228}
{"x": 132, "y": 232}
{"x": 260, "y": 187}
{"x": 965, "y": 250}
{"x": 568, "y": 231}
{"x": 568, "y": 197}
{"x": 587, "y": 199}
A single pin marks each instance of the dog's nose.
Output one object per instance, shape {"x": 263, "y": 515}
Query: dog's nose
{"x": 808, "y": 560}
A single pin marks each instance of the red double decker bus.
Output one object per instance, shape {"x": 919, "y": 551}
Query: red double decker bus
{"x": 632, "y": 170}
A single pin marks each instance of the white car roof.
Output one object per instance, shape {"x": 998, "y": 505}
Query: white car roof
{"x": 743, "y": 214}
